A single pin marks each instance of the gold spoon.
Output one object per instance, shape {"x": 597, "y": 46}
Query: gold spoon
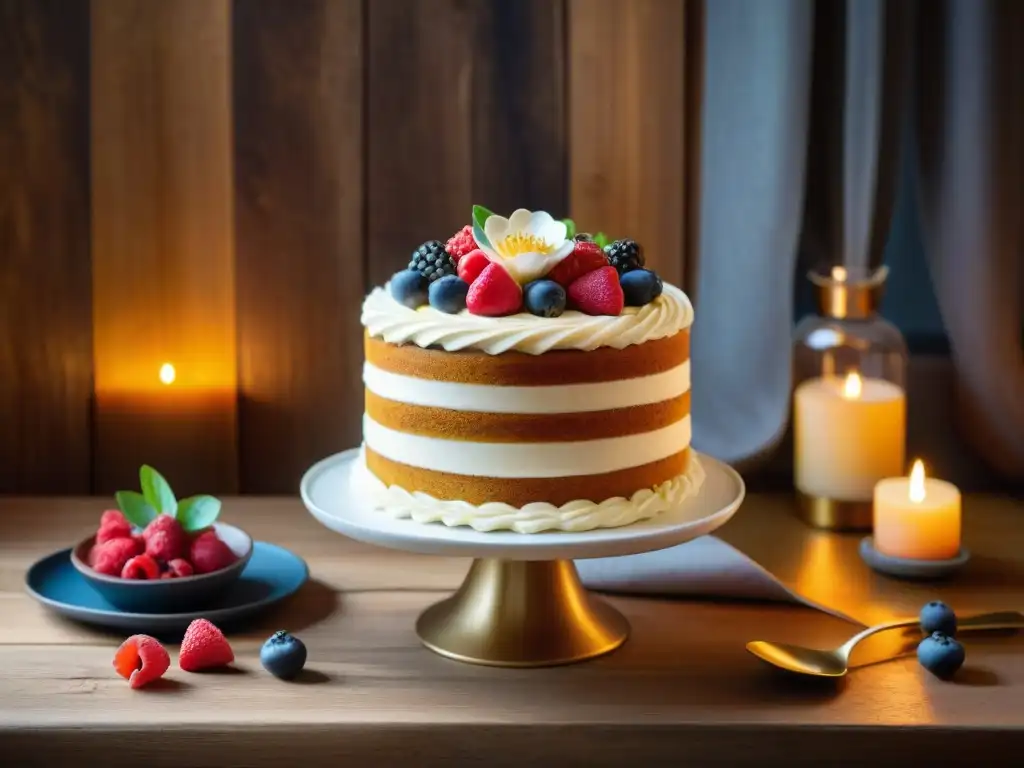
{"x": 836, "y": 662}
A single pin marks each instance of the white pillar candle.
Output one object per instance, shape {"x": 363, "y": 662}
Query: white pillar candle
{"x": 848, "y": 434}
{"x": 917, "y": 517}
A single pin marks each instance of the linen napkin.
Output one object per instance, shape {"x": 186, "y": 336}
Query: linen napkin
{"x": 706, "y": 567}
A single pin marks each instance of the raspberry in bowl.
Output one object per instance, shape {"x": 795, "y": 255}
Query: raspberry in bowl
{"x": 156, "y": 554}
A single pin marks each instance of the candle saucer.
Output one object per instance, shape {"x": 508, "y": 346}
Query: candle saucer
{"x": 909, "y": 568}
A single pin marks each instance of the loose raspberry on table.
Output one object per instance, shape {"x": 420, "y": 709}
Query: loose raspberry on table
{"x": 209, "y": 553}
{"x": 141, "y": 567}
{"x": 113, "y": 525}
{"x": 204, "y": 647}
{"x": 461, "y": 243}
{"x": 141, "y": 659}
{"x": 111, "y": 556}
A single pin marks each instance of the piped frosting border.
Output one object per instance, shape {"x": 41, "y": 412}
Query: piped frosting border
{"x": 537, "y": 517}
{"x": 425, "y": 327}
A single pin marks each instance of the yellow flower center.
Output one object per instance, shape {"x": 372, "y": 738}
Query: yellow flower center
{"x": 518, "y": 243}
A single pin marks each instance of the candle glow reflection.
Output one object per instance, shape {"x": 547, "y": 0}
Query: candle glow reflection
{"x": 167, "y": 374}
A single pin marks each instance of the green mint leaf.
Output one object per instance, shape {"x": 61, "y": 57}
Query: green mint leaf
{"x": 198, "y": 512}
{"x": 570, "y": 228}
{"x": 156, "y": 491}
{"x": 601, "y": 239}
{"x": 480, "y": 215}
{"x": 135, "y": 508}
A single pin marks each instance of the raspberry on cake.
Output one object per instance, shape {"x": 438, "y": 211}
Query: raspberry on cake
{"x": 519, "y": 414}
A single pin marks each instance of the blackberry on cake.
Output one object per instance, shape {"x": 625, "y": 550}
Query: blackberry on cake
{"x": 625, "y": 255}
{"x": 432, "y": 260}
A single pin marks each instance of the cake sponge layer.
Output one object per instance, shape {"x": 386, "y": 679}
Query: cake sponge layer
{"x": 520, "y": 491}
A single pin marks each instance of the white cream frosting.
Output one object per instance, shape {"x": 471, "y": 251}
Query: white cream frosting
{"x": 559, "y": 398}
{"x": 511, "y": 460}
{"x": 385, "y": 318}
{"x": 574, "y": 516}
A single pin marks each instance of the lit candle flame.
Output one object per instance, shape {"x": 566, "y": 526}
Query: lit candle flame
{"x": 167, "y": 373}
{"x": 853, "y": 386}
{"x": 916, "y": 492}
{"x": 839, "y": 274}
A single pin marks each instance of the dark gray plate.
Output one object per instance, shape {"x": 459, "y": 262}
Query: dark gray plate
{"x": 910, "y": 569}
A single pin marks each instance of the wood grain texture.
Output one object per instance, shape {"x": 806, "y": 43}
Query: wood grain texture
{"x": 45, "y": 329}
{"x": 519, "y": 106}
{"x": 163, "y": 252}
{"x": 298, "y": 70}
{"x": 464, "y": 105}
{"x": 627, "y": 127}
{"x": 682, "y": 687}
{"x": 419, "y": 135}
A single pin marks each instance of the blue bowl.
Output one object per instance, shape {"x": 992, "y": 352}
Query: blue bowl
{"x": 167, "y": 595}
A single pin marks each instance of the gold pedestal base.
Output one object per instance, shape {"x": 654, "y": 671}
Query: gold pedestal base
{"x": 835, "y": 515}
{"x": 522, "y": 614}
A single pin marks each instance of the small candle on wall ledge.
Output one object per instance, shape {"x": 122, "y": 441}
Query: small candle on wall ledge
{"x": 169, "y": 419}
{"x": 917, "y": 517}
{"x": 849, "y": 433}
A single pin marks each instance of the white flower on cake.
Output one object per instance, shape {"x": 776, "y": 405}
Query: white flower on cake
{"x": 527, "y": 244}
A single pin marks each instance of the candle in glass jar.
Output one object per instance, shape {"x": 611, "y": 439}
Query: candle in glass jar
{"x": 917, "y": 518}
{"x": 848, "y": 434}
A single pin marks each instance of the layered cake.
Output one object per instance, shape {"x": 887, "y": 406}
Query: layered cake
{"x": 525, "y": 377}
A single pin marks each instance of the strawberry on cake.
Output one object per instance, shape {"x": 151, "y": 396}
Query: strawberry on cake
{"x": 525, "y": 377}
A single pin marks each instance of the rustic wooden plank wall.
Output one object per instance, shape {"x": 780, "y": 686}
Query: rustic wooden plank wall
{"x": 628, "y": 138}
{"x": 299, "y": 209}
{"x": 256, "y": 166}
{"x": 163, "y": 243}
{"x": 45, "y": 328}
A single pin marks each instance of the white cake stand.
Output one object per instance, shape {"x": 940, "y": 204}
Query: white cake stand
{"x": 522, "y": 603}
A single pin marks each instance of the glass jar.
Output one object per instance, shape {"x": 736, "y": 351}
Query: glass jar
{"x": 849, "y": 400}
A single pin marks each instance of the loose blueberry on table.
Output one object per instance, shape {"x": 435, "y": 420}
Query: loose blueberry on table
{"x": 527, "y": 263}
{"x": 283, "y": 655}
{"x": 154, "y": 536}
{"x": 941, "y": 655}
{"x": 936, "y": 616}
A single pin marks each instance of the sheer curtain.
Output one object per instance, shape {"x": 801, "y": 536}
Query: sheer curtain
{"x": 970, "y": 131}
{"x": 802, "y": 118}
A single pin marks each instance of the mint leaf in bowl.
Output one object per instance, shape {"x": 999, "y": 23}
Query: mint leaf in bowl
{"x": 134, "y": 506}
{"x": 157, "y": 491}
{"x": 198, "y": 512}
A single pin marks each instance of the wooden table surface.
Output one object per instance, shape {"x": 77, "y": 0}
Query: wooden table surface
{"x": 682, "y": 689}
